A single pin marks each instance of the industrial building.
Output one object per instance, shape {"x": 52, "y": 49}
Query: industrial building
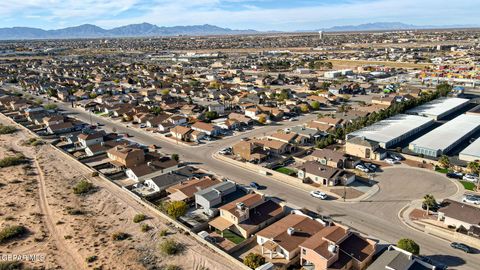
{"x": 449, "y": 135}
{"x": 393, "y": 130}
{"x": 439, "y": 108}
{"x": 471, "y": 153}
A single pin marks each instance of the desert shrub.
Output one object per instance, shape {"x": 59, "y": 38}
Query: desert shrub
{"x": 163, "y": 233}
{"x": 94, "y": 174}
{"x": 12, "y": 232}
{"x": 139, "y": 218}
{"x": 172, "y": 267}
{"x": 145, "y": 227}
{"x": 7, "y": 129}
{"x": 12, "y": 161}
{"x": 83, "y": 187}
{"x": 11, "y": 265}
{"x": 119, "y": 236}
{"x": 170, "y": 247}
{"x": 91, "y": 259}
{"x": 75, "y": 212}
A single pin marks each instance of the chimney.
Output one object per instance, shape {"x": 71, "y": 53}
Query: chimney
{"x": 290, "y": 231}
{"x": 332, "y": 248}
{"x": 149, "y": 164}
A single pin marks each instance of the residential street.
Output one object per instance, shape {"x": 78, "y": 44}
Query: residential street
{"x": 377, "y": 216}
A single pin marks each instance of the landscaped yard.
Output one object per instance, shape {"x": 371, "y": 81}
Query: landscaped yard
{"x": 441, "y": 170}
{"x": 286, "y": 171}
{"x": 468, "y": 185}
{"x": 233, "y": 237}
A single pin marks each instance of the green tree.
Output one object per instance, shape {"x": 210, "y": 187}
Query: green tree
{"x": 262, "y": 120}
{"x": 429, "y": 201}
{"x": 444, "y": 161}
{"x": 156, "y": 110}
{"x": 175, "y": 157}
{"x": 253, "y": 260}
{"x": 52, "y": 92}
{"x": 211, "y": 115}
{"x": 176, "y": 209}
{"x": 315, "y": 105}
{"x": 474, "y": 167}
{"x": 304, "y": 108}
{"x": 165, "y": 92}
{"x": 409, "y": 245}
{"x": 50, "y": 106}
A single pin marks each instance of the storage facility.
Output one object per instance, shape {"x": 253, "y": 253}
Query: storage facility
{"x": 393, "y": 130}
{"x": 444, "y": 138}
{"x": 439, "y": 108}
{"x": 471, "y": 153}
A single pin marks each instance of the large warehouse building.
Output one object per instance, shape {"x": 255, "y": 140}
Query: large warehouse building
{"x": 444, "y": 138}
{"x": 471, "y": 153}
{"x": 393, "y": 130}
{"x": 439, "y": 108}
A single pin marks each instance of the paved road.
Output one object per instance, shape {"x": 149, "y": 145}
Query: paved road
{"x": 377, "y": 217}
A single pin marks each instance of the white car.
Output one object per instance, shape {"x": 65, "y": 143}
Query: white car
{"x": 362, "y": 168}
{"x": 470, "y": 178}
{"x": 390, "y": 161}
{"x": 318, "y": 194}
{"x": 143, "y": 125}
{"x": 475, "y": 199}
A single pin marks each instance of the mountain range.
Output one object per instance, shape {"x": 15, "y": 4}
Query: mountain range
{"x": 131, "y": 30}
{"x": 151, "y": 30}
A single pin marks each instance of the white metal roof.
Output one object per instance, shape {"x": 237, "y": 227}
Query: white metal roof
{"x": 473, "y": 149}
{"x": 439, "y": 106}
{"x": 448, "y": 133}
{"x": 391, "y": 128}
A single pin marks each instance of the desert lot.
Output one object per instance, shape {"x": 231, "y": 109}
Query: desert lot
{"x": 70, "y": 231}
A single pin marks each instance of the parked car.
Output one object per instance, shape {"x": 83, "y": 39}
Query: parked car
{"x": 254, "y": 185}
{"x": 390, "y": 161}
{"x": 454, "y": 175}
{"x": 371, "y": 166}
{"x": 475, "y": 199}
{"x": 396, "y": 157}
{"x": 143, "y": 125}
{"x": 318, "y": 194}
{"x": 362, "y": 168}
{"x": 470, "y": 177}
{"x": 461, "y": 247}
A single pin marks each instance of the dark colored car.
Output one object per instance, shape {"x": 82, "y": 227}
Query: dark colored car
{"x": 454, "y": 175}
{"x": 461, "y": 247}
{"x": 254, "y": 185}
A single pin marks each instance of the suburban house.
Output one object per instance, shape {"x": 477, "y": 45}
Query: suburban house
{"x": 283, "y": 238}
{"x": 87, "y": 139}
{"x": 181, "y": 133}
{"x": 362, "y": 148}
{"x": 306, "y": 135}
{"x": 59, "y": 128}
{"x": 329, "y": 158}
{"x": 275, "y": 147}
{"x": 185, "y": 190}
{"x": 247, "y": 215}
{"x": 214, "y": 195}
{"x": 286, "y": 137}
{"x": 126, "y": 156}
{"x": 336, "y": 247}
{"x": 161, "y": 181}
{"x": 206, "y": 128}
{"x": 242, "y": 119}
{"x": 327, "y": 176}
{"x": 394, "y": 258}
{"x": 459, "y": 214}
{"x": 249, "y": 151}
{"x": 151, "y": 167}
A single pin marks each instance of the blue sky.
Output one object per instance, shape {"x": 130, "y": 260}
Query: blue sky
{"x": 284, "y": 15}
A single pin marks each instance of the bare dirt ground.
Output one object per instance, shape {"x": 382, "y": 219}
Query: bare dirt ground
{"x": 69, "y": 228}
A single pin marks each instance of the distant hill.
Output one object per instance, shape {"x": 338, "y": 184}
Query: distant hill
{"x": 132, "y": 30}
{"x": 387, "y": 26}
